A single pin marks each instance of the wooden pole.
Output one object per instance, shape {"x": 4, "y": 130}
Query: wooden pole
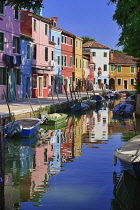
{"x": 30, "y": 104}
{"x": 53, "y": 101}
{"x": 59, "y": 101}
{"x": 10, "y": 115}
{"x": 71, "y": 94}
{"x": 66, "y": 95}
{"x": 74, "y": 94}
{"x": 2, "y": 199}
{"x": 39, "y": 103}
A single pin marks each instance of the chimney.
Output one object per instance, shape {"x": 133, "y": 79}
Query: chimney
{"x": 111, "y": 55}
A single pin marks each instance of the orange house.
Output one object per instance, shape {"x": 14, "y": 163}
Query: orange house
{"x": 122, "y": 71}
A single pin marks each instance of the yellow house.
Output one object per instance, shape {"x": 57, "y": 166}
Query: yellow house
{"x": 78, "y": 59}
{"x": 85, "y": 71}
{"x": 122, "y": 71}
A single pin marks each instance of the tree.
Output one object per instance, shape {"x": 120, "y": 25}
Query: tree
{"x": 24, "y": 3}
{"x": 127, "y": 16}
{"x": 87, "y": 38}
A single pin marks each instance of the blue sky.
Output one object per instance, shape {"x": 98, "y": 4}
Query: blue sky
{"x": 85, "y": 18}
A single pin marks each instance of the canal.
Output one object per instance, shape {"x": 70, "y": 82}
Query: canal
{"x": 70, "y": 167}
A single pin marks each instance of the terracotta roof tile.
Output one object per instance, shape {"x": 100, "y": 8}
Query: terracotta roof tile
{"x": 122, "y": 58}
{"x": 92, "y": 44}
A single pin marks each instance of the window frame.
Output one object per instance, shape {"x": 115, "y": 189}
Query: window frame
{"x": 46, "y": 53}
{"x": 3, "y": 77}
{"x": 45, "y": 81}
{"x": 71, "y": 61}
{"x": 105, "y": 67}
{"x": 35, "y": 76}
{"x": 94, "y": 54}
{"x": 132, "y": 79}
{"x": 46, "y": 29}
{"x": 34, "y": 51}
{"x": 2, "y": 8}
{"x": 131, "y": 69}
{"x": 35, "y": 25}
{"x": 2, "y": 44}
{"x": 16, "y": 44}
{"x": 105, "y": 54}
{"x": 112, "y": 66}
{"x": 16, "y": 13}
{"x": 28, "y": 53}
{"x": 119, "y": 79}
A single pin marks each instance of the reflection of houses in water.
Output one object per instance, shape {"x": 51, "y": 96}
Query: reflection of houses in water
{"x": 98, "y": 126}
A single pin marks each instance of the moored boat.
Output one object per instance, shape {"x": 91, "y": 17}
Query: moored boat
{"x": 53, "y": 119}
{"x": 123, "y": 109}
{"x": 22, "y": 128}
{"x": 129, "y": 156}
{"x": 79, "y": 106}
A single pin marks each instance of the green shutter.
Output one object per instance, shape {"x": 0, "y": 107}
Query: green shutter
{"x": 70, "y": 80}
{"x": 1, "y": 41}
{"x": 62, "y": 80}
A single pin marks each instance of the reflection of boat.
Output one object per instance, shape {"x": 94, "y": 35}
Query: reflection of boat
{"x": 53, "y": 119}
{"x": 97, "y": 98}
{"x": 122, "y": 119}
{"x": 127, "y": 191}
{"x": 129, "y": 156}
{"x": 22, "y": 128}
{"x": 79, "y": 106}
{"x": 111, "y": 96}
{"x": 130, "y": 99}
{"x": 54, "y": 127}
{"x": 123, "y": 109}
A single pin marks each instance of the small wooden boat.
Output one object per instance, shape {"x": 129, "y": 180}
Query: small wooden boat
{"x": 129, "y": 156}
{"x": 80, "y": 107}
{"x": 98, "y": 98}
{"x": 53, "y": 119}
{"x": 123, "y": 109}
{"x": 90, "y": 102}
{"x": 53, "y": 127}
{"x": 22, "y": 128}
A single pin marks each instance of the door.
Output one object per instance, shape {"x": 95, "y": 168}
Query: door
{"x": 125, "y": 84}
{"x": 40, "y": 87}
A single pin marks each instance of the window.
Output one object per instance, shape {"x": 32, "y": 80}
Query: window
{"x": 1, "y": 8}
{"x": 44, "y": 81}
{"x": 118, "y": 81}
{"x": 34, "y": 51}
{"x": 52, "y": 55}
{"x": 94, "y": 66}
{"x": 52, "y": 38}
{"x": 16, "y": 13}
{"x": 34, "y": 25}
{"x": 105, "y": 81}
{"x": 105, "y": 54}
{"x": 16, "y": 44}
{"x": 46, "y": 53}
{"x": 62, "y": 81}
{"x": 76, "y": 63}
{"x": 58, "y": 41}
{"x": 65, "y": 40}
{"x": 71, "y": 61}
{"x": 34, "y": 81}
{"x": 17, "y": 76}
{"x": 46, "y": 29}
{"x": 76, "y": 43}
{"x": 132, "y": 81}
{"x": 62, "y": 39}
{"x": 111, "y": 68}
{"x": 58, "y": 58}
{"x": 80, "y": 63}
{"x": 64, "y": 60}
{"x": 94, "y": 54}
{"x": 71, "y": 41}
{"x": 132, "y": 70}
{"x": 28, "y": 52}
{"x": 3, "y": 73}
{"x": 119, "y": 69}
{"x": 1, "y": 41}
{"x": 54, "y": 24}
{"x": 105, "y": 67}
{"x": 70, "y": 80}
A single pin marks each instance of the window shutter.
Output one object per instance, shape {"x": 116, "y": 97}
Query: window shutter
{"x": 62, "y": 80}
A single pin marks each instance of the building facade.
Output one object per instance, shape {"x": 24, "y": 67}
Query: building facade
{"x": 123, "y": 71}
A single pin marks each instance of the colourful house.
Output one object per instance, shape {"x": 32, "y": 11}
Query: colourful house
{"x": 67, "y": 60}
{"x": 37, "y": 27}
{"x": 55, "y": 36}
{"x": 122, "y": 72}
{"x": 78, "y": 62}
{"x": 10, "y": 58}
{"x": 100, "y": 55}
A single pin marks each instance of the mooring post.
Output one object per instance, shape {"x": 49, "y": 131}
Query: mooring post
{"x": 2, "y": 199}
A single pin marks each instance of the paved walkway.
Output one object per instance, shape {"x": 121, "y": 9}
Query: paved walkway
{"x": 24, "y": 106}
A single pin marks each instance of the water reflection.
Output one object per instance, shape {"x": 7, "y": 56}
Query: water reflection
{"x": 31, "y": 164}
{"x": 126, "y": 192}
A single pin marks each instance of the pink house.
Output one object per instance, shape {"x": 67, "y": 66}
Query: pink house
{"x": 37, "y": 27}
{"x": 10, "y": 58}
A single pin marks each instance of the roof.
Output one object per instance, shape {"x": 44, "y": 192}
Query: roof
{"x": 92, "y": 44}
{"x": 122, "y": 58}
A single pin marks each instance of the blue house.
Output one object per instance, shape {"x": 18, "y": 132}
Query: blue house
{"x": 55, "y": 36}
{"x": 26, "y": 67}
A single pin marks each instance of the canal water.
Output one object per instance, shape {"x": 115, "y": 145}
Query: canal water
{"x": 70, "y": 167}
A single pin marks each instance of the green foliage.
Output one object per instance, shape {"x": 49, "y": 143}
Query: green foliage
{"x": 117, "y": 51}
{"x": 127, "y": 16}
{"x": 87, "y": 38}
{"x": 24, "y": 4}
